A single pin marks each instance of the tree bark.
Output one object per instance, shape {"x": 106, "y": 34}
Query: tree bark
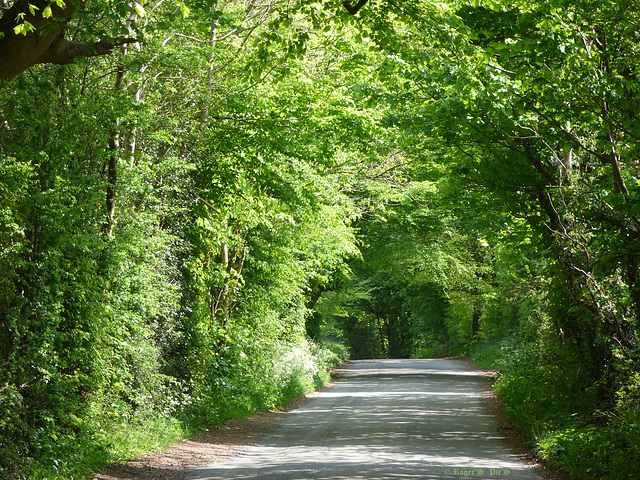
{"x": 46, "y": 43}
{"x": 353, "y": 9}
{"x": 112, "y": 167}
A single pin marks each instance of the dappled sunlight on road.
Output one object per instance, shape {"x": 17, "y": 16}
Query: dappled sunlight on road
{"x": 402, "y": 394}
{"x": 385, "y": 420}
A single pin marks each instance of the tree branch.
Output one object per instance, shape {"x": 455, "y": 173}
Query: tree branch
{"x": 353, "y": 9}
{"x": 63, "y": 51}
{"x": 45, "y": 41}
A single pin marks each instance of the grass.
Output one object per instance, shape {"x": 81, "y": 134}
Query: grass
{"x": 132, "y": 440}
{"x": 284, "y": 373}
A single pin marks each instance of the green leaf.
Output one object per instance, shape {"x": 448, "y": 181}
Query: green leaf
{"x": 46, "y": 13}
{"x": 184, "y": 10}
{"x": 32, "y": 9}
{"x": 24, "y": 28}
{"x": 139, "y": 10}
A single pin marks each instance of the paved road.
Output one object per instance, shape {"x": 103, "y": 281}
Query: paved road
{"x": 390, "y": 419}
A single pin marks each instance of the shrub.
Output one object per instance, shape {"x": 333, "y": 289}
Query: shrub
{"x": 547, "y": 394}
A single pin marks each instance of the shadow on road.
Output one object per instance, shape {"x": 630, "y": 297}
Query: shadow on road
{"x": 389, "y": 419}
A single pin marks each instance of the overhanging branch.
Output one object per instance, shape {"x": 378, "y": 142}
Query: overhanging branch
{"x": 63, "y": 51}
{"x": 45, "y": 42}
{"x": 353, "y": 9}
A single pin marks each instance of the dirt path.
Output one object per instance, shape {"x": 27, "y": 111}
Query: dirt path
{"x": 220, "y": 443}
{"x": 212, "y": 445}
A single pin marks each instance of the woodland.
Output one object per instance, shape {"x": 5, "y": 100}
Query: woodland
{"x": 205, "y": 204}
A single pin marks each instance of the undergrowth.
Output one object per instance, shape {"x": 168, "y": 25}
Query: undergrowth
{"x": 561, "y": 413}
{"x": 264, "y": 377}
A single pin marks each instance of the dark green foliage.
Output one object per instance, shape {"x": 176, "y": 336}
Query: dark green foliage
{"x": 548, "y": 393}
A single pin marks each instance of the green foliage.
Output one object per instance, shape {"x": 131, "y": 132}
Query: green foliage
{"x": 547, "y": 396}
{"x": 422, "y": 180}
{"x": 126, "y": 334}
{"x": 515, "y": 113}
{"x": 255, "y": 376}
{"x": 551, "y": 397}
{"x": 548, "y": 385}
{"x": 594, "y": 451}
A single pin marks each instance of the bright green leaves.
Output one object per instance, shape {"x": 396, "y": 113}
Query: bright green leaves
{"x": 184, "y": 10}
{"x": 523, "y": 105}
{"x": 16, "y": 179}
{"x": 529, "y": 110}
{"x": 266, "y": 219}
{"x": 23, "y": 28}
{"x": 141, "y": 12}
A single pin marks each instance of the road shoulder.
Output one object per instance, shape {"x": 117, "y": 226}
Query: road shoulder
{"x": 212, "y": 445}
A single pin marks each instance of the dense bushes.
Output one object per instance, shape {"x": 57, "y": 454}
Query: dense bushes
{"x": 63, "y": 445}
{"x": 257, "y": 376}
{"x": 548, "y": 395}
{"x": 154, "y": 268}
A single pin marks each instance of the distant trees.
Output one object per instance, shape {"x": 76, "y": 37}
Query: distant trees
{"x": 414, "y": 180}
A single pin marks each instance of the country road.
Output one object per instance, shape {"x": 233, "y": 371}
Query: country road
{"x": 388, "y": 419}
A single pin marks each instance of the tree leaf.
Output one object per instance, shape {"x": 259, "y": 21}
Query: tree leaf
{"x": 184, "y": 10}
{"x": 139, "y": 10}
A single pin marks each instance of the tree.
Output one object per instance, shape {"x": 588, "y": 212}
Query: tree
{"x": 163, "y": 218}
{"x": 35, "y": 32}
{"x": 46, "y": 31}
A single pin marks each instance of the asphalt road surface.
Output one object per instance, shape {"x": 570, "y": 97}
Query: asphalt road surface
{"x": 388, "y": 419}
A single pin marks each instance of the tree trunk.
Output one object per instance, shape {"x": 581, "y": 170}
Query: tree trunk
{"x": 112, "y": 166}
{"x": 475, "y": 321}
{"x": 114, "y": 148}
{"x": 44, "y": 41}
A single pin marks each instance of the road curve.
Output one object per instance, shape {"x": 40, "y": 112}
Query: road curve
{"x": 384, "y": 419}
